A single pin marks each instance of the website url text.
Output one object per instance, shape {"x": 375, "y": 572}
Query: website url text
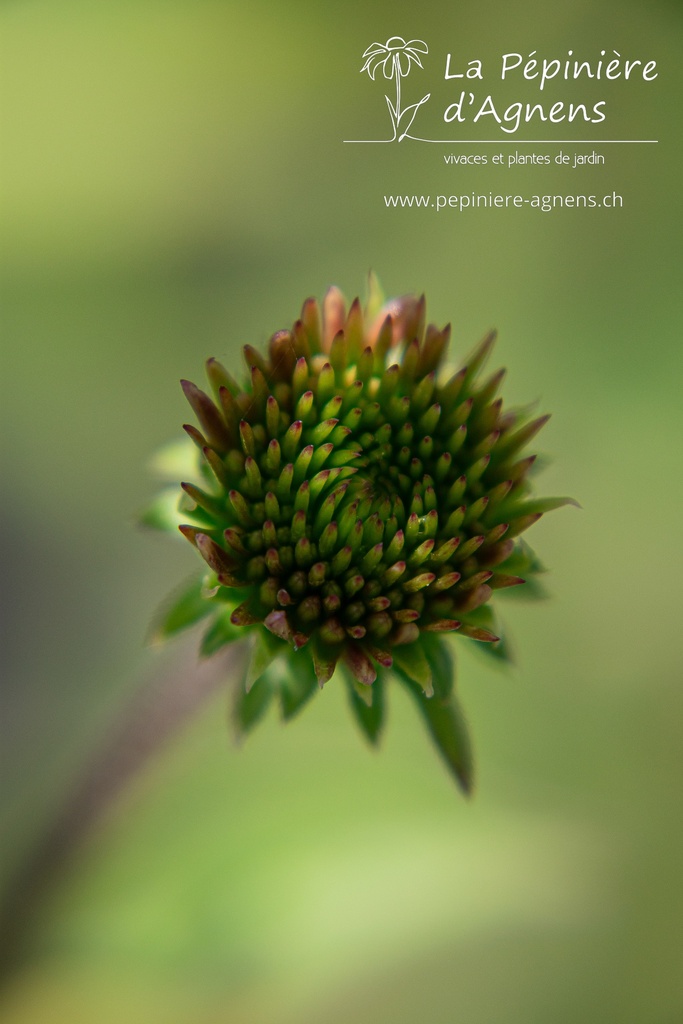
{"x": 489, "y": 200}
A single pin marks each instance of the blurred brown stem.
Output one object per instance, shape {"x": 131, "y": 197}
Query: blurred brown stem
{"x": 155, "y": 713}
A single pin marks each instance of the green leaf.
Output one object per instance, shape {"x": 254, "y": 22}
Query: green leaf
{"x": 163, "y": 512}
{"x": 498, "y": 652}
{"x": 481, "y": 616}
{"x": 441, "y": 657}
{"x": 220, "y": 632}
{"x": 522, "y": 562}
{"x": 485, "y": 617}
{"x": 297, "y": 684}
{"x": 369, "y": 716}
{"x": 265, "y": 649}
{"x": 547, "y": 504}
{"x": 175, "y": 461}
{"x": 324, "y": 660}
{"x": 509, "y": 510}
{"x": 448, "y": 729}
{"x": 250, "y": 706}
{"x": 181, "y": 610}
{"x": 410, "y": 660}
{"x": 477, "y": 358}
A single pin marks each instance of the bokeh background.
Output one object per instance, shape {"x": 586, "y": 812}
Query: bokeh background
{"x": 174, "y": 185}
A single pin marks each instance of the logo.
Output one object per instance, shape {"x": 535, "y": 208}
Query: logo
{"x": 396, "y": 57}
{"x": 471, "y": 100}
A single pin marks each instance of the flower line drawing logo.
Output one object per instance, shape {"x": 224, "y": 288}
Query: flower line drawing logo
{"x": 396, "y": 58}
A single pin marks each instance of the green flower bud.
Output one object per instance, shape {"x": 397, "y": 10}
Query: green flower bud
{"x": 354, "y": 501}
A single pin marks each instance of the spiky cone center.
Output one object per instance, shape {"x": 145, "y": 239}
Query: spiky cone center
{"x": 358, "y": 497}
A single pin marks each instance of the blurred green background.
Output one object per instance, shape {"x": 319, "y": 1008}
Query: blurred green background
{"x": 174, "y": 184}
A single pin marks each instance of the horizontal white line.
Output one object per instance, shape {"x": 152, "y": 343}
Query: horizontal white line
{"x": 520, "y": 142}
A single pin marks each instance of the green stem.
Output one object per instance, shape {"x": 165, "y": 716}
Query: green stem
{"x": 156, "y": 712}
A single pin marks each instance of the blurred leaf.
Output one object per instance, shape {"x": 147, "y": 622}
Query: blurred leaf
{"x": 448, "y": 729}
{"x": 163, "y": 513}
{"x": 265, "y": 648}
{"x": 485, "y": 617}
{"x": 182, "y": 609}
{"x": 522, "y": 562}
{"x": 298, "y": 683}
{"x": 175, "y": 461}
{"x": 369, "y": 716}
{"x": 499, "y": 652}
{"x": 531, "y": 506}
{"x": 250, "y": 706}
{"x": 441, "y": 658}
{"x": 410, "y": 660}
{"x": 220, "y": 633}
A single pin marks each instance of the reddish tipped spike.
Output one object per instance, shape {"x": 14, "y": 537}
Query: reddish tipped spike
{"x": 442, "y": 626}
{"x": 310, "y": 320}
{"x": 509, "y": 443}
{"x": 478, "y": 633}
{"x": 334, "y": 315}
{"x": 360, "y": 665}
{"x": 418, "y": 582}
{"x": 201, "y": 498}
{"x": 324, "y": 664}
{"x": 219, "y": 376}
{"x": 195, "y": 435}
{"x": 234, "y": 540}
{"x": 497, "y": 554}
{"x": 279, "y": 625}
{"x": 480, "y": 354}
{"x": 499, "y": 580}
{"x": 190, "y": 533}
{"x": 407, "y": 633}
{"x": 380, "y": 337}
{"x": 243, "y": 616}
{"x": 252, "y": 358}
{"x": 381, "y": 656}
{"x": 518, "y": 526}
{"x": 405, "y": 615}
{"x": 332, "y": 632}
{"x": 215, "y": 557}
{"x": 282, "y": 355}
{"x": 446, "y": 581}
{"x": 353, "y": 330}
{"x": 212, "y": 423}
{"x": 474, "y": 581}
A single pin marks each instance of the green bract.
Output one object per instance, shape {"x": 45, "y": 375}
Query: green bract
{"x": 354, "y": 502}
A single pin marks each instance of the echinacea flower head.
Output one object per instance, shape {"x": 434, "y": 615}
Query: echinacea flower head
{"x": 355, "y": 504}
{"x": 394, "y": 57}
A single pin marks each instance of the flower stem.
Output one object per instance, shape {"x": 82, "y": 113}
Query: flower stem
{"x": 155, "y": 713}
